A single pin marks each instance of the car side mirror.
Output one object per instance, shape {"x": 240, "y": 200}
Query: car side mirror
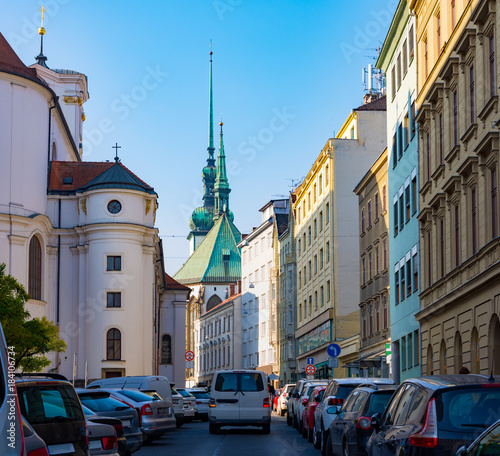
{"x": 376, "y": 421}
{"x": 317, "y": 398}
{"x": 295, "y": 395}
{"x": 333, "y": 410}
{"x": 462, "y": 451}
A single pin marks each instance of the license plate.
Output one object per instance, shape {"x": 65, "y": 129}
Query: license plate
{"x": 62, "y": 448}
{"x": 126, "y": 422}
{"x": 95, "y": 444}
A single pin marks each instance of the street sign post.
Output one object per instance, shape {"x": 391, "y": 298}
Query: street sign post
{"x": 333, "y": 362}
{"x": 310, "y": 370}
{"x": 310, "y": 361}
{"x": 189, "y": 355}
{"x": 189, "y": 364}
{"x": 333, "y": 350}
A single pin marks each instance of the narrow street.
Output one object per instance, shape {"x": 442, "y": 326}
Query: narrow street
{"x": 193, "y": 439}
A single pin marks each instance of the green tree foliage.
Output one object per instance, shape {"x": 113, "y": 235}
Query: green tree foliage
{"x": 30, "y": 338}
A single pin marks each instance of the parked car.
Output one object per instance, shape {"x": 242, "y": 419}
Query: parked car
{"x": 202, "y": 400}
{"x": 50, "y": 405}
{"x": 292, "y": 400}
{"x": 302, "y": 401}
{"x": 487, "y": 444}
{"x": 335, "y": 394}
{"x": 101, "y": 403}
{"x": 239, "y": 398}
{"x": 93, "y": 417}
{"x": 435, "y": 415}
{"x": 12, "y": 442}
{"x": 352, "y": 428}
{"x": 178, "y": 402}
{"x": 308, "y": 413}
{"x": 34, "y": 445}
{"x": 155, "y": 415}
{"x": 102, "y": 439}
{"x": 188, "y": 401}
{"x": 283, "y": 398}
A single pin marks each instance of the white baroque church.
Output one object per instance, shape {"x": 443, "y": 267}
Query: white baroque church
{"x": 81, "y": 236}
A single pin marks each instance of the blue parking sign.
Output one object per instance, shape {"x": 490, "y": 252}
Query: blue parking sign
{"x": 310, "y": 361}
{"x": 333, "y": 350}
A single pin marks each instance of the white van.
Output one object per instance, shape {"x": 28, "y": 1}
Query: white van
{"x": 239, "y": 398}
{"x": 158, "y": 383}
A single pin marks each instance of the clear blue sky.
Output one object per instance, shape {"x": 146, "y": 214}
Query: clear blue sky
{"x": 286, "y": 75}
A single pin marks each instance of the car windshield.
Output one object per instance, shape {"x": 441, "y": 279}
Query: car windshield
{"x": 239, "y": 381}
{"x": 99, "y": 402}
{"x": 48, "y": 404}
{"x": 344, "y": 391}
{"x": 379, "y": 401}
{"x": 184, "y": 393}
{"x": 468, "y": 408}
{"x": 200, "y": 395}
{"x": 138, "y": 396}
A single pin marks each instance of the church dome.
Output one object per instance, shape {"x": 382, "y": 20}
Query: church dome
{"x": 201, "y": 220}
{"x": 209, "y": 171}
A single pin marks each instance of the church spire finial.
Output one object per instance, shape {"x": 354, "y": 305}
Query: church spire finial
{"x": 40, "y": 59}
{"x": 211, "y": 112}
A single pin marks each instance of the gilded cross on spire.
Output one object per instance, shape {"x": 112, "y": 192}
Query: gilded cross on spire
{"x": 40, "y": 58}
{"x": 116, "y": 147}
{"x": 41, "y": 30}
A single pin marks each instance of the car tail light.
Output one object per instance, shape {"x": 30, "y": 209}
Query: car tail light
{"x": 39, "y": 452}
{"x": 427, "y": 437}
{"x": 146, "y": 410}
{"x": 198, "y": 402}
{"x": 265, "y": 403}
{"x": 211, "y": 403}
{"x": 304, "y": 401}
{"x": 109, "y": 443}
{"x": 364, "y": 422}
{"x": 118, "y": 427}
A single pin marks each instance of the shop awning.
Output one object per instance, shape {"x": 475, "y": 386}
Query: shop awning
{"x": 371, "y": 360}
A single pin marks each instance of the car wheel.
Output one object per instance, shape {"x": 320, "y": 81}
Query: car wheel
{"x": 323, "y": 439}
{"x": 345, "y": 448}
{"x": 213, "y": 428}
{"x": 179, "y": 423}
{"x": 266, "y": 428}
{"x": 304, "y": 431}
{"x": 328, "y": 445}
{"x": 282, "y": 412}
{"x": 310, "y": 433}
{"x": 316, "y": 439}
{"x": 299, "y": 426}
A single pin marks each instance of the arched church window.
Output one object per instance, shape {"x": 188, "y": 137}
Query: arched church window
{"x": 166, "y": 349}
{"x": 35, "y": 269}
{"x": 213, "y": 301}
{"x": 114, "y": 345}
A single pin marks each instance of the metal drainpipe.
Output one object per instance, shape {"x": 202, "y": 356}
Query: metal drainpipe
{"x": 48, "y": 145}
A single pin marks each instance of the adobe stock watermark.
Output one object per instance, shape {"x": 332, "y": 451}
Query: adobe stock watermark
{"x": 12, "y": 416}
{"x": 29, "y": 27}
{"x": 123, "y": 106}
{"x": 222, "y": 7}
{"x": 362, "y": 38}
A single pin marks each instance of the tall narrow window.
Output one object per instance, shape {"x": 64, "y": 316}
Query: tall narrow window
{"x": 370, "y": 269}
{"x": 401, "y": 212}
{"x": 370, "y": 319}
{"x": 455, "y": 118}
{"x": 328, "y": 291}
{"x": 428, "y": 153}
{"x": 407, "y": 202}
{"x": 494, "y": 204}
{"x": 376, "y": 206}
{"x": 393, "y": 81}
{"x": 394, "y": 151}
{"x": 405, "y": 58}
{"x": 166, "y": 349}
{"x": 384, "y": 198}
{"x": 457, "y": 234}
{"x": 396, "y": 281}
{"x": 453, "y": 15}
{"x": 385, "y": 253}
{"x": 440, "y": 139}
{"x": 327, "y": 252}
{"x": 369, "y": 213}
{"x": 408, "y": 277}
{"x": 471, "y": 93}
{"x": 363, "y": 270}
{"x": 474, "y": 220}
{"x": 377, "y": 268}
{"x": 441, "y": 246}
{"x": 396, "y": 224}
{"x": 429, "y": 259}
{"x": 363, "y": 220}
{"x": 35, "y": 269}
{"x": 492, "y": 66}
{"x": 113, "y": 345}
{"x": 407, "y": 130}
{"x": 415, "y": 193}
{"x": 403, "y": 282}
{"x": 377, "y": 316}
{"x": 411, "y": 48}
{"x": 398, "y": 62}
{"x": 413, "y": 121}
{"x": 415, "y": 273}
{"x": 386, "y": 316}
{"x": 327, "y": 210}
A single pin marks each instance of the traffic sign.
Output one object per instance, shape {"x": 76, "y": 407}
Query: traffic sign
{"x": 310, "y": 361}
{"x": 189, "y": 364}
{"x": 310, "y": 370}
{"x": 333, "y": 350}
{"x": 333, "y": 362}
{"x": 189, "y": 355}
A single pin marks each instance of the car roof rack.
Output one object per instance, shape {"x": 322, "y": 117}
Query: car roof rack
{"x": 41, "y": 374}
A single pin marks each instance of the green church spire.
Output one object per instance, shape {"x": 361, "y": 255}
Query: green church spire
{"x": 221, "y": 187}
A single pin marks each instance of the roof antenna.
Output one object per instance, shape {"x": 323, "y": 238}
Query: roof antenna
{"x": 492, "y": 379}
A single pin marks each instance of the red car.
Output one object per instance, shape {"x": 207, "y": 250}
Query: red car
{"x": 275, "y": 399}
{"x": 308, "y": 413}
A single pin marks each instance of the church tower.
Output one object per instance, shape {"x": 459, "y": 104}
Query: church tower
{"x": 221, "y": 187}
{"x": 202, "y": 219}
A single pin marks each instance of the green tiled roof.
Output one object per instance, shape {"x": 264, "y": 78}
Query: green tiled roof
{"x": 217, "y": 258}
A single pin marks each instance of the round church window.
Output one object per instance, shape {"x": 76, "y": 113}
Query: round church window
{"x": 114, "y": 206}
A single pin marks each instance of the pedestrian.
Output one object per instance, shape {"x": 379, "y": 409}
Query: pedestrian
{"x": 464, "y": 370}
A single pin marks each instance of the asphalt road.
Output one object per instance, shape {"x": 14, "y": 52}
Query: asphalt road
{"x": 193, "y": 439}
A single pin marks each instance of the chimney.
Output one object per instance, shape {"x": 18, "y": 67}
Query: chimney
{"x": 238, "y": 285}
{"x": 231, "y": 289}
